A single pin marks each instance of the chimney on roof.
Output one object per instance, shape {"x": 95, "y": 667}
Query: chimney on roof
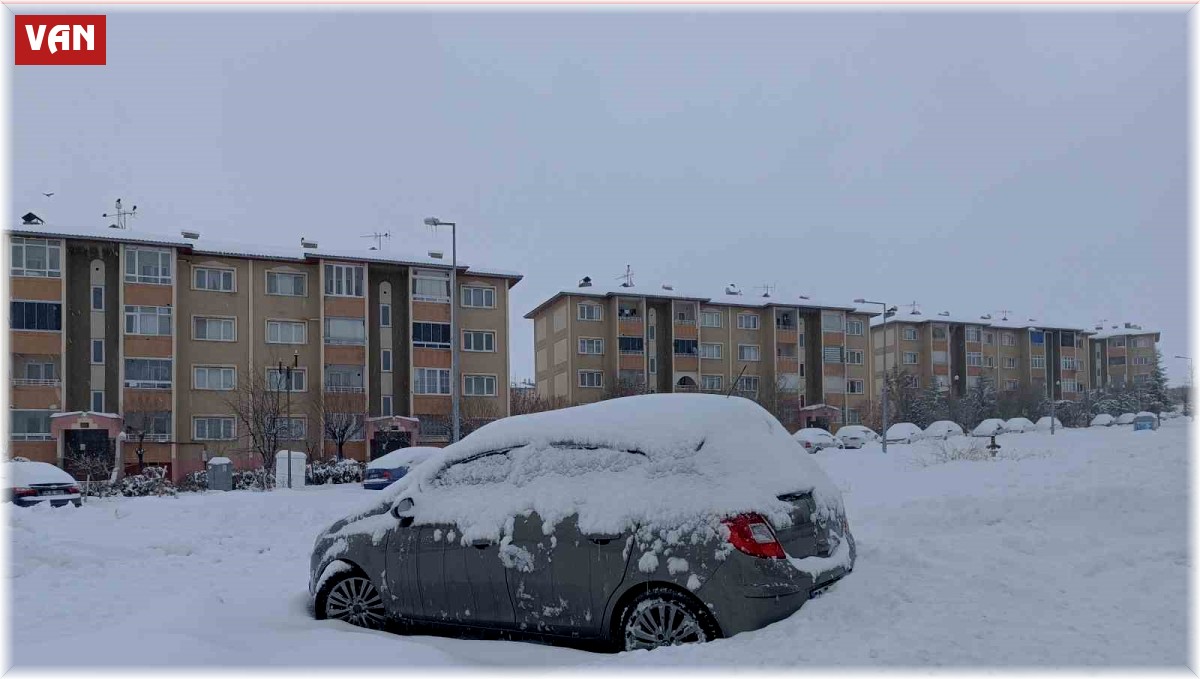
{"x": 1099, "y": 327}
{"x": 308, "y": 244}
{"x": 732, "y": 289}
{"x": 804, "y": 297}
{"x": 190, "y": 235}
{"x": 668, "y": 286}
{"x": 944, "y": 313}
{"x": 585, "y": 282}
{"x": 29, "y": 219}
{"x": 986, "y": 317}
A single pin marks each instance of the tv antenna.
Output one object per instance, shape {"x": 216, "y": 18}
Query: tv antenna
{"x": 626, "y": 277}
{"x": 378, "y": 238}
{"x": 768, "y": 290}
{"x": 1004, "y": 314}
{"x": 122, "y": 215}
{"x": 913, "y": 308}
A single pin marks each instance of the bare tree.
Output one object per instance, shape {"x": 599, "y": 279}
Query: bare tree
{"x": 258, "y": 406}
{"x": 144, "y": 419}
{"x": 626, "y": 387}
{"x": 525, "y": 401}
{"x": 781, "y": 401}
{"x": 341, "y": 418}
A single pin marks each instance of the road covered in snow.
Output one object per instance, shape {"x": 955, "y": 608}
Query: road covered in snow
{"x": 1065, "y": 550}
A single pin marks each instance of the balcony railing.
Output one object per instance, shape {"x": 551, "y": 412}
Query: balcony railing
{"x": 150, "y": 438}
{"x": 685, "y": 321}
{"x": 23, "y": 382}
{"x": 632, "y": 352}
{"x": 343, "y": 341}
{"x": 341, "y": 389}
{"x": 785, "y": 326}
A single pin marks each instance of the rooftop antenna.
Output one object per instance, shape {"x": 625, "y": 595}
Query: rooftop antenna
{"x": 122, "y": 215}
{"x": 378, "y": 238}
{"x": 1004, "y": 314}
{"x": 914, "y": 308}
{"x": 767, "y": 289}
{"x": 626, "y": 277}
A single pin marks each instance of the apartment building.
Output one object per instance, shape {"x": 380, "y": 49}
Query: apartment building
{"x": 113, "y": 330}
{"x": 591, "y": 342}
{"x": 1122, "y": 355}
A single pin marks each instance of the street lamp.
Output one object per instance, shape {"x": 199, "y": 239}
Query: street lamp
{"x": 886, "y": 311}
{"x": 1056, "y": 383}
{"x": 1187, "y": 401}
{"x": 286, "y": 371}
{"x": 454, "y": 380}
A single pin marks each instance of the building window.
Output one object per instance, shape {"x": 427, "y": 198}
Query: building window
{"x": 431, "y": 286}
{"x": 97, "y": 298}
{"x": 833, "y": 354}
{"x": 351, "y": 331}
{"x": 31, "y": 425}
{"x": 910, "y": 334}
{"x": 344, "y": 280}
{"x": 385, "y": 403}
{"x": 1066, "y": 339}
{"x": 939, "y": 332}
{"x": 385, "y": 315}
{"x": 686, "y": 347}
{"x": 147, "y": 265}
{"x": 1137, "y": 379}
{"x": 910, "y": 358}
{"x": 431, "y": 381}
{"x": 277, "y": 379}
{"x": 710, "y": 319}
{"x": 1071, "y": 386}
{"x": 832, "y": 322}
{"x": 478, "y": 297}
{"x": 747, "y": 384}
{"x": 989, "y": 338}
{"x": 973, "y": 333}
{"x": 989, "y": 361}
{"x": 939, "y": 357}
{"x": 710, "y": 382}
{"x": 1068, "y": 363}
{"x": 653, "y": 365}
{"x": 1011, "y": 385}
{"x": 787, "y": 350}
{"x": 213, "y": 378}
{"x": 385, "y": 360}
{"x": 1008, "y": 339}
{"x": 747, "y": 321}
{"x": 854, "y": 357}
{"x": 1116, "y": 360}
{"x": 974, "y": 358}
{"x": 287, "y": 284}
{"x": 36, "y": 257}
{"x": 749, "y": 352}
{"x": 591, "y": 379}
{"x": 1037, "y": 338}
{"x": 710, "y": 350}
{"x": 589, "y": 312}
{"x": 479, "y": 385}
{"x": 97, "y": 401}
{"x": 591, "y": 346}
{"x": 855, "y": 387}
{"x": 479, "y": 340}
{"x": 212, "y": 429}
{"x": 630, "y": 345}
{"x": 1141, "y": 343}
{"x": 854, "y": 327}
{"x": 431, "y": 335}
{"x": 1141, "y": 360}
{"x": 344, "y": 378}
{"x": 36, "y": 315}
{"x": 98, "y": 352}
{"x": 785, "y": 320}
{"x": 215, "y": 280}
{"x": 1117, "y": 342}
{"x": 1010, "y": 363}
{"x": 650, "y": 332}
{"x": 287, "y": 332}
{"x": 40, "y": 373}
{"x": 853, "y": 417}
{"x": 148, "y": 373}
{"x": 213, "y": 329}
{"x": 1037, "y": 361}
{"x": 291, "y": 428}
{"x": 148, "y": 320}
{"x": 347, "y": 426}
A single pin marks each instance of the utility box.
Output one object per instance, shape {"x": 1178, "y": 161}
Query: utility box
{"x": 299, "y": 462}
{"x": 220, "y": 473}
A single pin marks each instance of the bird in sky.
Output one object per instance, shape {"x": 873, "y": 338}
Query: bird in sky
{"x": 48, "y": 194}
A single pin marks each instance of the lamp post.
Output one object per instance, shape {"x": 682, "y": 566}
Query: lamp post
{"x": 1187, "y": 401}
{"x": 286, "y": 371}
{"x": 884, "y": 405}
{"x": 1056, "y": 383}
{"x": 454, "y": 380}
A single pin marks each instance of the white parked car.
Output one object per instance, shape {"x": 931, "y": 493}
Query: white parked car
{"x": 815, "y": 438}
{"x": 942, "y": 429}
{"x": 903, "y": 432}
{"x": 1102, "y": 420}
{"x": 859, "y": 430}
{"x": 1019, "y": 425}
{"x": 1125, "y": 418}
{"x": 1043, "y": 424}
{"x": 989, "y": 427}
{"x": 851, "y": 439}
{"x": 28, "y": 483}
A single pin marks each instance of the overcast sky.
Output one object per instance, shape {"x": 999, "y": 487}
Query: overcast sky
{"x": 970, "y": 161}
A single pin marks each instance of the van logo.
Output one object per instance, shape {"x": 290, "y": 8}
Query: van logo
{"x": 60, "y": 40}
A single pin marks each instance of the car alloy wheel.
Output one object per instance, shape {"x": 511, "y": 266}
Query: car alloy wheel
{"x": 356, "y": 601}
{"x": 663, "y": 618}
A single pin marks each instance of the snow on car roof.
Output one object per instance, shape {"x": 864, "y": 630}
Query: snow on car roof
{"x": 402, "y": 457}
{"x": 24, "y": 474}
{"x": 659, "y": 460}
{"x": 903, "y": 428}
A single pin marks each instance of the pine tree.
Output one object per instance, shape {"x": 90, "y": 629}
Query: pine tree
{"x": 1153, "y": 393}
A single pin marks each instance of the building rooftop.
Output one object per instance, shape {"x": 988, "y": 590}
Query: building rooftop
{"x": 1014, "y": 323}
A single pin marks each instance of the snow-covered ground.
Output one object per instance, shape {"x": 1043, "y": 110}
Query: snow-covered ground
{"x": 1068, "y": 550}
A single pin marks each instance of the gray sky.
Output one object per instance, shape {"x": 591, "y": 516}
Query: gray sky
{"x": 971, "y": 161}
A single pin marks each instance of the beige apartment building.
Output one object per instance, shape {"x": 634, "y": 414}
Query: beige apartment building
{"x": 1121, "y": 355}
{"x": 810, "y": 358}
{"x": 115, "y": 333}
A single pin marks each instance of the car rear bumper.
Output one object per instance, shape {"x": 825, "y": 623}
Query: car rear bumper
{"x": 55, "y": 501}
{"x": 376, "y": 484}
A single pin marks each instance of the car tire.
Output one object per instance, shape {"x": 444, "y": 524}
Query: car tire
{"x": 662, "y": 616}
{"x": 351, "y": 597}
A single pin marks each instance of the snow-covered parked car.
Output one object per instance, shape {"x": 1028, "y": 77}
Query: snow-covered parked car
{"x": 865, "y": 432}
{"x": 1019, "y": 425}
{"x": 813, "y": 439}
{"x": 1125, "y": 419}
{"x": 27, "y": 483}
{"x": 1043, "y": 423}
{"x": 385, "y": 470}
{"x": 1102, "y": 420}
{"x": 642, "y": 521}
{"x": 903, "y": 432}
{"x": 942, "y": 429}
{"x": 1145, "y": 420}
{"x": 989, "y": 427}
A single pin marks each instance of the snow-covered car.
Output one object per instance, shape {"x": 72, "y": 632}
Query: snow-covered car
{"x": 1043, "y": 423}
{"x": 27, "y": 483}
{"x": 1102, "y": 420}
{"x": 942, "y": 429}
{"x": 1145, "y": 420}
{"x": 1125, "y": 419}
{"x": 813, "y": 439}
{"x": 989, "y": 427}
{"x": 852, "y": 439}
{"x": 858, "y": 430}
{"x": 1019, "y": 425}
{"x": 903, "y": 432}
{"x": 385, "y": 470}
{"x": 642, "y": 521}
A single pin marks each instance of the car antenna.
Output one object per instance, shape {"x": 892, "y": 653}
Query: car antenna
{"x": 735, "y": 381}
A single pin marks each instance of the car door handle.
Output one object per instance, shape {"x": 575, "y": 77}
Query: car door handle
{"x": 481, "y": 544}
{"x": 601, "y": 539}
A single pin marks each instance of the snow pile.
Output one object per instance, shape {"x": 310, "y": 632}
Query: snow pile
{"x": 942, "y": 429}
{"x": 657, "y": 461}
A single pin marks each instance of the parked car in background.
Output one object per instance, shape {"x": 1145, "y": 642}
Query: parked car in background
{"x": 1125, "y": 419}
{"x": 989, "y": 427}
{"x": 552, "y": 524}
{"x": 1043, "y": 423}
{"x": 387, "y": 469}
{"x": 865, "y": 431}
{"x": 1102, "y": 420}
{"x": 27, "y": 483}
{"x": 813, "y": 439}
{"x": 903, "y": 432}
{"x": 942, "y": 429}
{"x": 1145, "y": 420}
{"x": 1019, "y": 425}
{"x": 852, "y": 438}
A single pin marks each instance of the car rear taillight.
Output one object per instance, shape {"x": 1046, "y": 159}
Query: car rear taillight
{"x": 751, "y": 534}
{"x": 23, "y": 492}
{"x": 73, "y": 489}
{"x": 806, "y": 444}
{"x": 385, "y": 474}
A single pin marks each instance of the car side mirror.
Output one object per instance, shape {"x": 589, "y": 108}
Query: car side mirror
{"x": 401, "y": 510}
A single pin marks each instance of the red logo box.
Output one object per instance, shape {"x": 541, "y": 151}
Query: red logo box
{"x": 60, "y": 40}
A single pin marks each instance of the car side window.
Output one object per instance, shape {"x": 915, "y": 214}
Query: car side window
{"x": 490, "y": 467}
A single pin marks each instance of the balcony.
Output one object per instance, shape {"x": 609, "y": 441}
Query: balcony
{"x": 343, "y": 389}
{"x": 24, "y": 382}
{"x": 348, "y": 341}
